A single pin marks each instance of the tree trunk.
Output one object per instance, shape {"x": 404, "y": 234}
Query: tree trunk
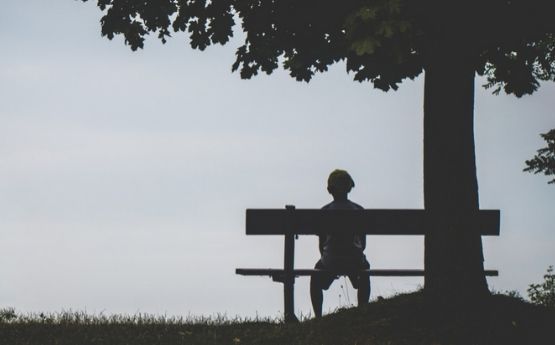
{"x": 453, "y": 249}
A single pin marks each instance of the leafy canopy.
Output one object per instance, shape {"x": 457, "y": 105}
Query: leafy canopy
{"x": 544, "y": 293}
{"x": 544, "y": 161}
{"x": 511, "y": 42}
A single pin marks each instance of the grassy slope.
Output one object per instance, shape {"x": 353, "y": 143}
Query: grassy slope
{"x": 399, "y": 320}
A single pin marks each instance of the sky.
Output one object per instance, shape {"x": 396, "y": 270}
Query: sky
{"x": 124, "y": 176}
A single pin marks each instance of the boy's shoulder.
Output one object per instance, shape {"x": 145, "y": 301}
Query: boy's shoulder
{"x": 342, "y": 205}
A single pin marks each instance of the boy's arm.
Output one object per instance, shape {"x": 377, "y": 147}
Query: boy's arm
{"x": 321, "y": 241}
{"x": 363, "y": 241}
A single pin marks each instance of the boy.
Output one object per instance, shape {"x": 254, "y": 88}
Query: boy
{"x": 340, "y": 251}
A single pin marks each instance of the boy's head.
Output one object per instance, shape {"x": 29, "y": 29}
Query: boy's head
{"x": 340, "y": 183}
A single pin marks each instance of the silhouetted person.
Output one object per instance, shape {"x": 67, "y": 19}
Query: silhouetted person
{"x": 340, "y": 251}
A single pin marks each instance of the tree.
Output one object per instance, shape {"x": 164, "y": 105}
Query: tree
{"x": 510, "y": 42}
{"x": 544, "y": 161}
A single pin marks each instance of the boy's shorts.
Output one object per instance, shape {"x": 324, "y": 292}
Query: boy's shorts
{"x": 324, "y": 280}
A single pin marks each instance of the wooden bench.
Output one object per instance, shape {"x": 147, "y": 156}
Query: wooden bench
{"x": 291, "y": 222}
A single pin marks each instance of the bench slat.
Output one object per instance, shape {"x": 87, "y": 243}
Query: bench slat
{"x": 370, "y": 221}
{"x": 273, "y": 272}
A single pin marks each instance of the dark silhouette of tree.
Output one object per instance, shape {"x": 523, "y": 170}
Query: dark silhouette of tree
{"x": 544, "y": 293}
{"x": 509, "y": 42}
{"x": 544, "y": 161}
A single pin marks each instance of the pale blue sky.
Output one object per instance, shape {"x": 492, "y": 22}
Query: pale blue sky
{"x": 124, "y": 176}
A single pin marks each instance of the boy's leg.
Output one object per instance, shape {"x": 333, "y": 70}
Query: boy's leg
{"x": 318, "y": 283}
{"x": 362, "y": 284}
{"x": 363, "y": 293}
{"x": 316, "y": 296}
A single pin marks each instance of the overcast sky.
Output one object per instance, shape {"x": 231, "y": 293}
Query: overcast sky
{"x": 124, "y": 176}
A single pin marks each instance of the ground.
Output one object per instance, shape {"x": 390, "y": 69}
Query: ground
{"x": 403, "y": 319}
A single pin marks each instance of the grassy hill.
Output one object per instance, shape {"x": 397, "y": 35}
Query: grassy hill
{"x": 403, "y": 319}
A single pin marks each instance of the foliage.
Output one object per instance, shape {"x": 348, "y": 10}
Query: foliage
{"x": 7, "y": 314}
{"x": 513, "y": 294}
{"x": 544, "y": 293}
{"x": 512, "y": 42}
{"x": 544, "y": 161}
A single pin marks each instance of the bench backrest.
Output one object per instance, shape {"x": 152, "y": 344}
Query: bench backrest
{"x": 369, "y": 221}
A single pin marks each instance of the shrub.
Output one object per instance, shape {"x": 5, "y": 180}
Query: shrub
{"x": 544, "y": 293}
{"x": 513, "y": 294}
{"x": 7, "y": 314}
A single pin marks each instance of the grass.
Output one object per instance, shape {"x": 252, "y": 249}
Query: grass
{"x": 403, "y": 319}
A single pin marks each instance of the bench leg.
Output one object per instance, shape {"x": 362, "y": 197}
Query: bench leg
{"x": 289, "y": 279}
{"x": 289, "y": 300}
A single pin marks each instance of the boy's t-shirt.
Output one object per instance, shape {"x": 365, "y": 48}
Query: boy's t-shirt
{"x": 345, "y": 248}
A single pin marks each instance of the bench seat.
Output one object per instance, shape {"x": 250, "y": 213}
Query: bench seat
{"x": 277, "y": 274}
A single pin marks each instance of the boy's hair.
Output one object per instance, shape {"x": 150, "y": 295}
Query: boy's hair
{"x": 340, "y": 181}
